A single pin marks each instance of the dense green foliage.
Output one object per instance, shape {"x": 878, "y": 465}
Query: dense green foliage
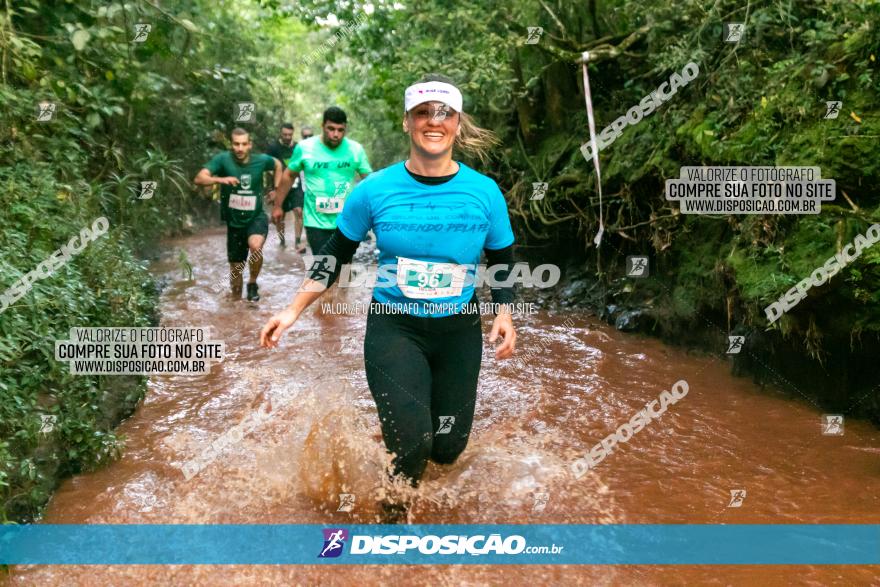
{"x": 760, "y": 101}
{"x": 757, "y": 102}
{"x": 125, "y": 112}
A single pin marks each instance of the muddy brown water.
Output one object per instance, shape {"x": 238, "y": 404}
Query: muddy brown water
{"x": 318, "y": 437}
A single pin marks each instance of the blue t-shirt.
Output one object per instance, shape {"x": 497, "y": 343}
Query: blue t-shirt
{"x": 429, "y": 236}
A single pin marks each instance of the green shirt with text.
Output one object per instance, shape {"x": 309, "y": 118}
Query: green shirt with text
{"x": 330, "y": 175}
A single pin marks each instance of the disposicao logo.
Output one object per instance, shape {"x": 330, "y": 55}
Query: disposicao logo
{"x": 431, "y": 544}
{"x": 334, "y": 541}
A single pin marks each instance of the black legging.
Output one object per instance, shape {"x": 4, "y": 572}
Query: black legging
{"x": 318, "y": 237}
{"x": 420, "y": 372}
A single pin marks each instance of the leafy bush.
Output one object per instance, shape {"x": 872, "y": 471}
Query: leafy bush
{"x": 124, "y": 113}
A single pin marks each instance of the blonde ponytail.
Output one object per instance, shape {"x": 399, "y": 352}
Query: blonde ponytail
{"x": 474, "y": 141}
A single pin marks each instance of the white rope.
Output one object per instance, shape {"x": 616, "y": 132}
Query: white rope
{"x": 594, "y": 146}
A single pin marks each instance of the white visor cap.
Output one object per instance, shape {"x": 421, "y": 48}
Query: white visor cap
{"x": 432, "y": 92}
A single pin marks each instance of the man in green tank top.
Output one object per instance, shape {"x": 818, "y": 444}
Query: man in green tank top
{"x": 240, "y": 176}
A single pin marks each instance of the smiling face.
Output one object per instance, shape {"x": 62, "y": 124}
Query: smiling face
{"x": 432, "y": 127}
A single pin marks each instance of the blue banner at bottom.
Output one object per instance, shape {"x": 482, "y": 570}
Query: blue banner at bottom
{"x": 614, "y": 544}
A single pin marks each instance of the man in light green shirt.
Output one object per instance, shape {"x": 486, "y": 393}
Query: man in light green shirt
{"x": 330, "y": 164}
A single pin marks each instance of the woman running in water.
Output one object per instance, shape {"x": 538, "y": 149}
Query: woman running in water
{"x": 432, "y": 217}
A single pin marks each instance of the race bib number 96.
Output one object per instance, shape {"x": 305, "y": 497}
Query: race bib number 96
{"x": 327, "y": 205}
{"x": 423, "y": 280}
{"x": 237, "y": 202}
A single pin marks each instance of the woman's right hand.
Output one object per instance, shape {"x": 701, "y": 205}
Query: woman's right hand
{"x": 275, "y": 327}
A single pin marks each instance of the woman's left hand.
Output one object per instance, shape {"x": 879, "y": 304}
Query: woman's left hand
{"x": 503, "y": 325}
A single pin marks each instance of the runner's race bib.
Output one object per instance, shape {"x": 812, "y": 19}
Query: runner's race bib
{"x": 423, "y": 280}
{"x": 327, "y": 205}
{"x": 238, "y": 202}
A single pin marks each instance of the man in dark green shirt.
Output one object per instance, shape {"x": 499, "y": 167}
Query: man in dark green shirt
{"x": 240, "y": 175}
{"x": 282, "y": 149}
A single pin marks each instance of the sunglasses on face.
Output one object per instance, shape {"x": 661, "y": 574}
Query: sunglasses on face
{"x": 439, "y": 113}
